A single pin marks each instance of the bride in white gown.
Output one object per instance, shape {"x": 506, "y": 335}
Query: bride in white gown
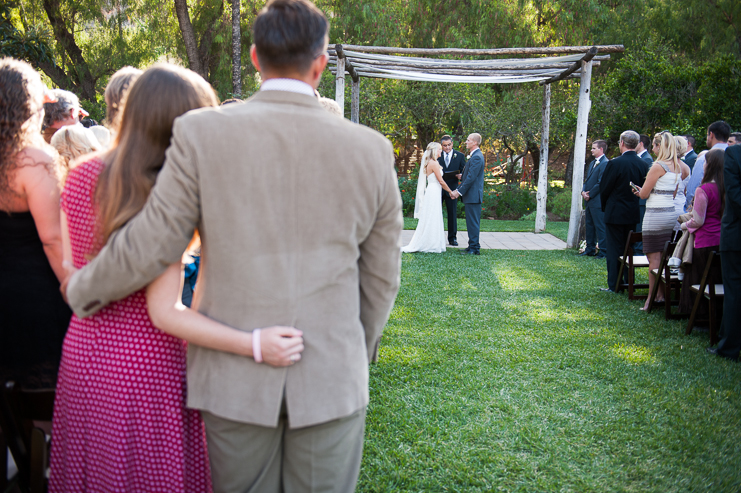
{"x": 429, "y": 236}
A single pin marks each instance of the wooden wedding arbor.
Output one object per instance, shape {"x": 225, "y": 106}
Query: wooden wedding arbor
{"x": 542, "y": 65}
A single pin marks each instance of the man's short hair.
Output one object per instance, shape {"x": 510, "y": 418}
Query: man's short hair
{"x": 289, "y": 34}
{"x": 476, "y": 138}
{"x": 721, "y": 130}
{"x": 690, "y": 140}
{"x": 445, "y": 138}
{"x": 630, "y": 139}
{"x": 601, "y": 144}
{"x": 231, "y": 101}
{"x": 737, "y": 136}
{"x": 646, "y": 141}
{"x": 58, "y": 111}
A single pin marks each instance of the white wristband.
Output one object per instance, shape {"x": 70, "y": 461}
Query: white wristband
{"x": 256, "y": 349}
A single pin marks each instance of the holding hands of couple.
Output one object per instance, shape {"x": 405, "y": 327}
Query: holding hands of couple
{"x": 454, "y": 194}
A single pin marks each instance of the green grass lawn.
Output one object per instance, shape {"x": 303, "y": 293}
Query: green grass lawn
{"x": 559, "y": 229}
{"x": 511, "y": 371}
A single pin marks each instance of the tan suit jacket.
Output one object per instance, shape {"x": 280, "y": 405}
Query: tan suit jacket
{"x": 299, "y": 213}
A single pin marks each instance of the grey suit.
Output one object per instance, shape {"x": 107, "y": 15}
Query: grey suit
{"x": 272, "y": 255}
{"x": 472, "y": 191}
{"x": 595, "y": 218}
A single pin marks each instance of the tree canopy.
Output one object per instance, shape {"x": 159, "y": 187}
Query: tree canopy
{"x": 680, "y": 72}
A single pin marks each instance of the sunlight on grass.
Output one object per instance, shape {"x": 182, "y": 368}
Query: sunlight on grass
{"x": 633, "y": 354}
{"x": 400, "y": 354}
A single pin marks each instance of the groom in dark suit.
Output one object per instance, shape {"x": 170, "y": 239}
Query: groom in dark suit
{"x": 619, "y": 203}
{"x": 452, "y": 163}
{"x": 595, "y": 218}
{"x": 472, "y": 191}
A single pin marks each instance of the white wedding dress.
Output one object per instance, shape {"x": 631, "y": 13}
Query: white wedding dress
{"x": 429, "y": 237}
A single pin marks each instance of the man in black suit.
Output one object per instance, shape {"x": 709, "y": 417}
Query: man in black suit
{"x": 595, "y": 218}
{"x": 452, "y": 163}
{"x": 618, "y": 202}
{"x": 690, "y": 156}
{"x": 641, "y": 149}
{"x": 730, "y": 254}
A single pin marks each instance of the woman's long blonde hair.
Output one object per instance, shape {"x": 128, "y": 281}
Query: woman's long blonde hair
{"x": 72, "y": 142}
{"x": 156, "y": 98}
{"x": 668, "y": 151}
{"x": 431, "y": 150}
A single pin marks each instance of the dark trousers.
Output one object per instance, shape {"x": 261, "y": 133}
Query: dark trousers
{"x": 473, "y": 224}
{"x": 595, "y": 223}
{"x": 452, "y": 207}
{"x": 638, "y": 245}
{"x": 617, "y": 235}
{"x": 730, "y": 329}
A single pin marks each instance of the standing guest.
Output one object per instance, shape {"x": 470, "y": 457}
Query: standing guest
{"x": 72, "y": 142}
{"x": 33, "y": 315}
{"x": 706, "y": 225}
{"x": 642, "y": 150}
{"x": 64, "y": 111}
{"x": 595, "y": 218}
{"x": 717, "y": 138}
{"x": 120, "y": 421}
{"x": 619, "y": 204}
{"x": 691, "y": 156}
{"x": 334, "y": 275}
{"x": 679, "y": 197}
{"x": 115, "y": 95}
{"x": 452, "y": 164}
{"x": 730, "y": 254}
{"x": 734, "y": 139}
{"x": 472, "y": 191}
{"x": 661, "y": 185}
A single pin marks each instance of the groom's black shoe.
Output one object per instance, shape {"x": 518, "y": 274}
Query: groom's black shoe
{"x": 454, "y": 242}
{"x": 470, "y": 252}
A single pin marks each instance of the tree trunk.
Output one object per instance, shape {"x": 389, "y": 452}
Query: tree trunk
{"x": 189, "y": 38}
{"x": 569, "y": 169}
{"x": 236, "y": 50}
{"x": 81, "y": 79}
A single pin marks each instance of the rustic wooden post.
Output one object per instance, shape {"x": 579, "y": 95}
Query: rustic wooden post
{"x": 340, "y": 84}
{"x": 355, "y": 101}
{"x": 540, "y": 215}
{"x": 580, "y": 146}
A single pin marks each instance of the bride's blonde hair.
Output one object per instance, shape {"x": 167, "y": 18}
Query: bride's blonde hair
{"x": 431, "y": 150}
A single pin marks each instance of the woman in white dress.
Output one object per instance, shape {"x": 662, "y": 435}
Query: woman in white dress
{"x": 429, "y": 236}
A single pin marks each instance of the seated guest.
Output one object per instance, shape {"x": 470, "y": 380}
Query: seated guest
{"x": 705, "y": 224}
{"x": 662, "y": 183}
{"x": 734, "y": 139}
{"x": 71, "y": 142}
{"x": 64, "y": 111}
{"x": 33, "y": 315}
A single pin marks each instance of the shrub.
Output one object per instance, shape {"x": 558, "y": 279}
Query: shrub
{"x": 507, "y": 201}
{"x": 559, "y": 202}
{"x": 408, "y": 189}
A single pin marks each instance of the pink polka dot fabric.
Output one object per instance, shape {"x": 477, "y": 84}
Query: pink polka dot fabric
{"x": 120, "y": 421}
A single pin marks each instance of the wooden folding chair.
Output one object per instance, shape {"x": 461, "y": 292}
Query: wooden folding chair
{"x": 711, "y": 292}
{"x": 631, "y": 262}
{"x": 19, "y": 408}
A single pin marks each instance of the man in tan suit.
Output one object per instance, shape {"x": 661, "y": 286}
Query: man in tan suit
{"x": 311, "y": 241}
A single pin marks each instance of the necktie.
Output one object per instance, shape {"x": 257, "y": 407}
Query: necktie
{"x": 447, "y": 159}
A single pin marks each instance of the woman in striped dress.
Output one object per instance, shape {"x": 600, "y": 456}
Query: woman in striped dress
{"x": 661, "y": 185}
